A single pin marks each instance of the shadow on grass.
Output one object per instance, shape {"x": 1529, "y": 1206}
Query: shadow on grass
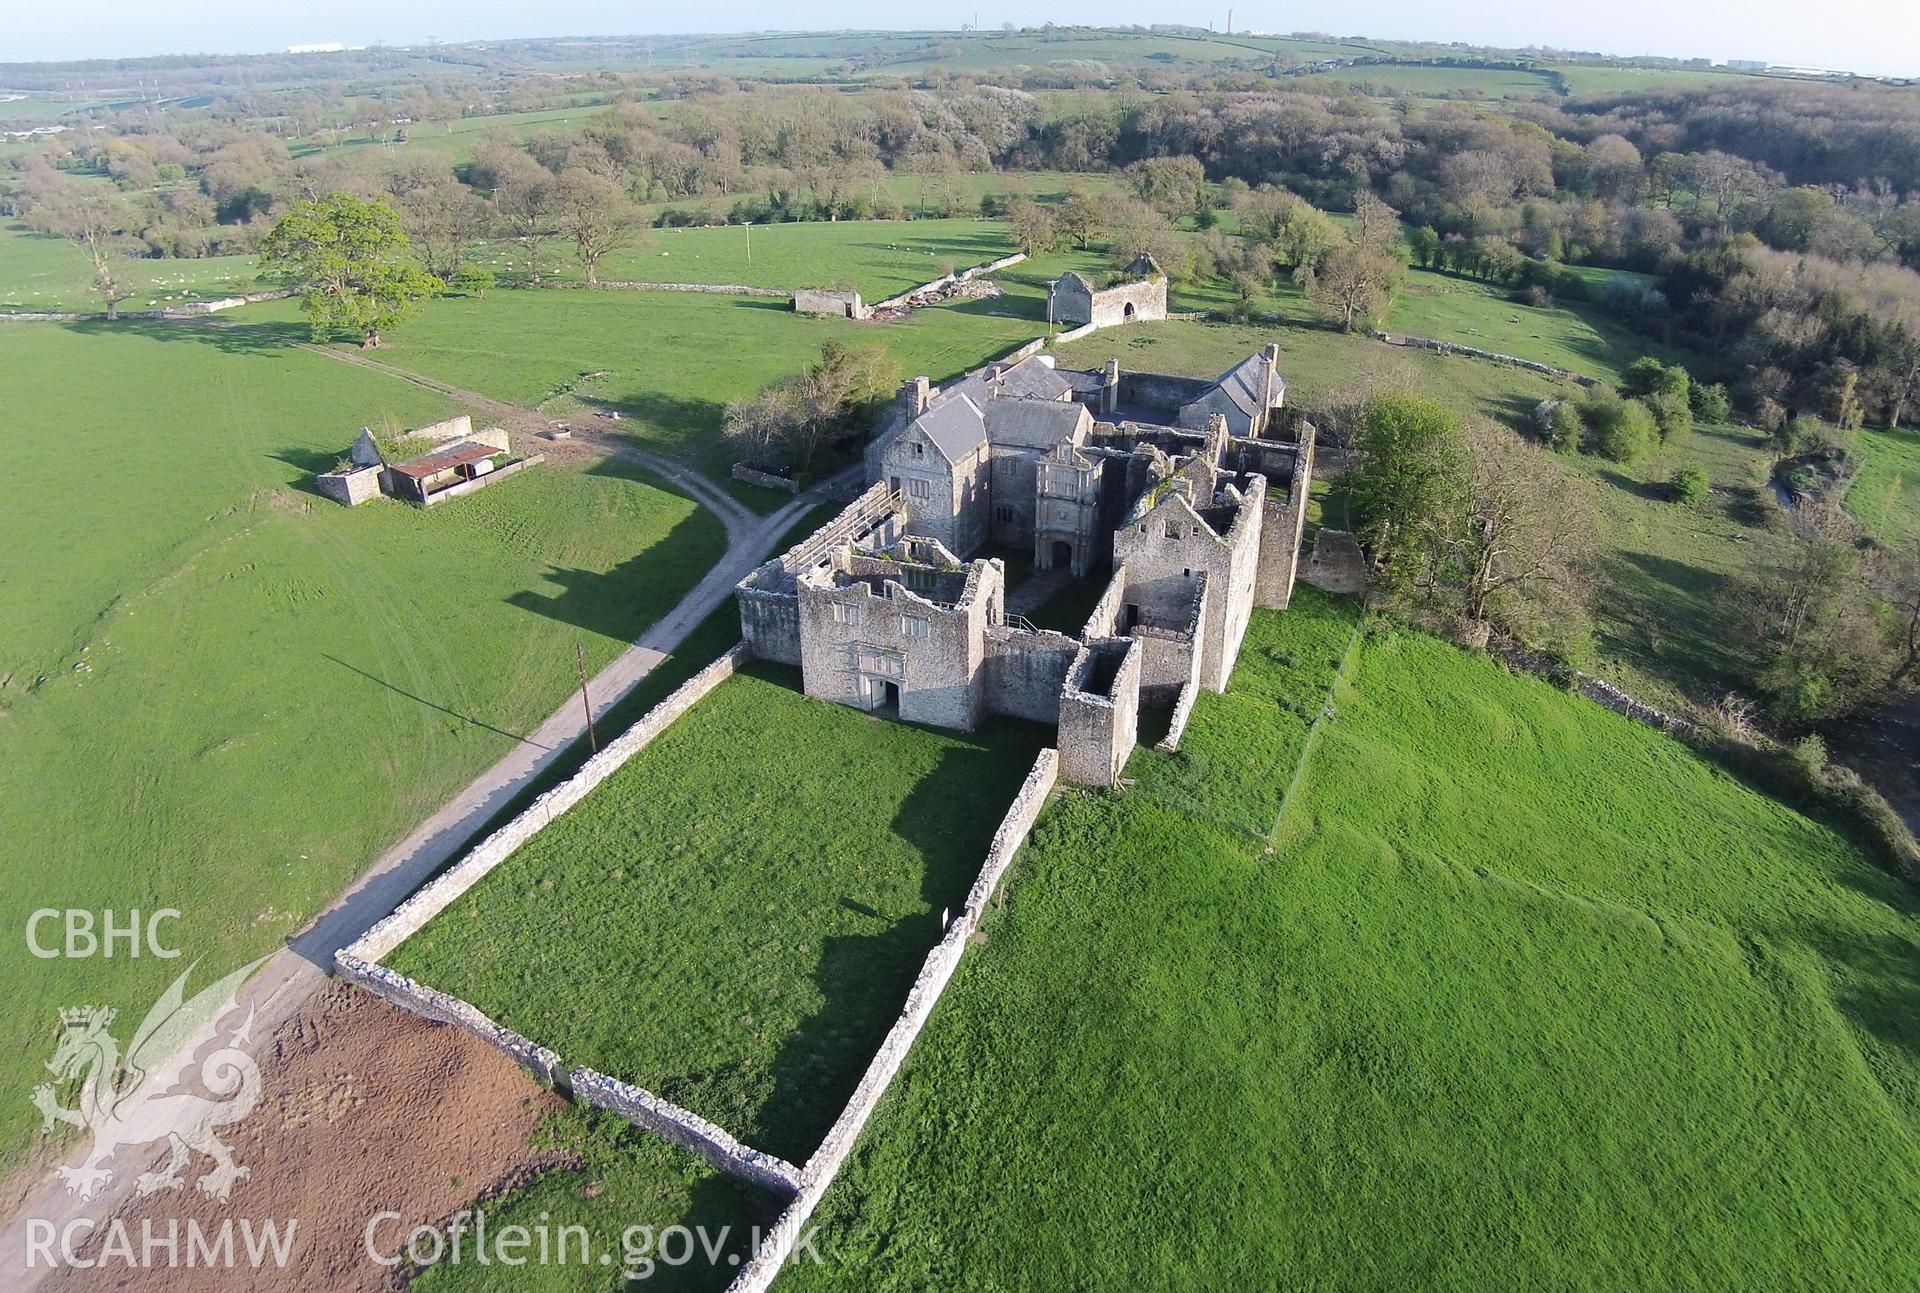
{"x": 422, "y": 700}
{"x": 1667, "y": 615}
{"x": 622, "y": 602}
{"x": 225, "y": 335}
{"x": 308, "y": 463}
{"x": 1645, "y": 490}
{"x": 948, "y": 819}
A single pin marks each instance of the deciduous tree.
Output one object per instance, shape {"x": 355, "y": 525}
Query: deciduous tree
{"x": 597, "y": 215}
{"x": 92, "y": 218}
{"x": 351, "y": 262}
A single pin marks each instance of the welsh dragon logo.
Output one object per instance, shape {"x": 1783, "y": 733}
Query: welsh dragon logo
{"x": 119, "y": 1107}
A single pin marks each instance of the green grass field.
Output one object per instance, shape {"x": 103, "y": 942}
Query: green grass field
{"x": 732, "y": 920}
{"x": 455, "y": 140}
{"x": 1436, "y": 82}
{"x": 668, "y": 360}
{"x": 1885, "y": 494}
{"x": 878, "y": 258}
{"x": 1600, "y": 78}
{"x": 224, "y": 694}
{"x": 1563, "y": 335}
{"x": 41, "y": 272}
{"x": 1565, "y": 1007}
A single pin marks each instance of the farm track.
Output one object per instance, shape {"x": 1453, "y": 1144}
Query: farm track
{"x": 289, "y": 985}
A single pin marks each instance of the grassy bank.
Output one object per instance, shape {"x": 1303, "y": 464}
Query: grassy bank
{"x": 1565, "y": 1006}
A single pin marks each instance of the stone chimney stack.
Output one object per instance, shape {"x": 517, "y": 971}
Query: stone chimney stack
{"x": 914, "y": 397}
{"x": 1110, "y": 388}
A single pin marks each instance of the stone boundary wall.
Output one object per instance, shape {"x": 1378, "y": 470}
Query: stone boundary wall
{"x": 1598, "y": 690}
{"x": 962, "y": 276}
{"x": 1605, "y": 694}
{"x": 439, "y": 894}
{"x": 431, "y": 1003}
{"x": 1018, "y": 353}
{"x": 712, "y": 289}
{"x": 764, "y": 479}
{"x": 759, "y": 1274}
{"x": 1454, "y": 348}
{"x": 1074, "y": 334}
{"x": 686, "y": 1129}
{"x": 191, "y": 310}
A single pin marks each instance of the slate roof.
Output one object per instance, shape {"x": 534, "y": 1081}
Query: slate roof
{"x": 954, "y": 425}
{"x": 1244, "y": 384}
{"x": 1033, "y": 424}
{"x": 1030, "y": 379}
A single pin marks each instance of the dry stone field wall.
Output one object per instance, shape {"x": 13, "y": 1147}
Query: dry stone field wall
{"x": 760, "y": 1273}
{"x": 361, "y": 964}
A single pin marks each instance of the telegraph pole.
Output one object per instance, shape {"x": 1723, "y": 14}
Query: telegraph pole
{"x": 580, "y": 662}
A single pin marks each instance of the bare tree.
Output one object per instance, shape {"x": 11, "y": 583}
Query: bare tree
{"x": 597, "y": 215}
{"x": 525, "y": 202}
{"x": 91, "y": 218}
{"x": 1375, "y": 224}
{"x": 1034, "y": 228}
{"x": 442, "y": 219}
{"x": 1522, "y": 523}
{"x": 1353, "y": 285}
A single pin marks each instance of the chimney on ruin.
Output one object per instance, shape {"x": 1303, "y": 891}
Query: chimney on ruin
{"x": 1110, "y": 387}
{"x": 914, "y": 397}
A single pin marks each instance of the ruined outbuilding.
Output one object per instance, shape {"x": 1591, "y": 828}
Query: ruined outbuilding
{"x": 893, "y": 606}
{"x": 459, "y": 461}
{"x": 830, "y": 304}
{"x": 1139, "y": 295}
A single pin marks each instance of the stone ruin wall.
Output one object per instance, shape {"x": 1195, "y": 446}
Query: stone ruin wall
{"x": 1025, "y": 670}
{"x": 1282, "y": 529}
{"x": 1100, "y": 724}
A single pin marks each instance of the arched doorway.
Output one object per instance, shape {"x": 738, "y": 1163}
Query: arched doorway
{"x": 1127, "y": 312}
{"x": 1062, "y": 553}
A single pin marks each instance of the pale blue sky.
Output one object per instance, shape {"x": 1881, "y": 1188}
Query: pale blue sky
{"x": 1861, "y": 35}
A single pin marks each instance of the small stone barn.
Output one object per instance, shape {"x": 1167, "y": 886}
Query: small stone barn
{"x": 837, "y": 305}
{"x": 1139, "y": 296}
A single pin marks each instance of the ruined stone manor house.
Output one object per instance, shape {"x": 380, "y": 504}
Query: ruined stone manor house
{"x": 1185, "y": 490}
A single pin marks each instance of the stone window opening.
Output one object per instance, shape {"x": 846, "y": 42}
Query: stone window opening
{"x": 845, "y": 614}
{"x": 913, "y": 626}
{"x": 919, "y": 489}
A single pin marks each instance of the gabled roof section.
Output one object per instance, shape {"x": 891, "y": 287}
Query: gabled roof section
{"x": 365, "y": 453}
{"x": 1032, "y": 380}
{"x": 1077, "y": 278}
{"x": 954, "y": 425}
{"x": 1034, "y": 424}
{"x": 1245, "y": 384}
